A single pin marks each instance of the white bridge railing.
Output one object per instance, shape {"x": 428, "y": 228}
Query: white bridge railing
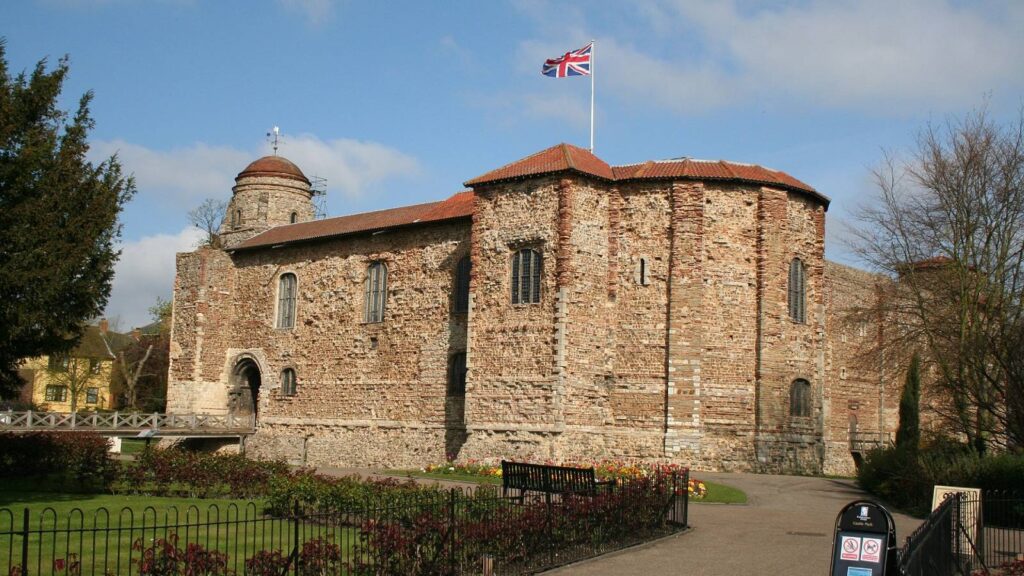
{"x": 113, "y": 422}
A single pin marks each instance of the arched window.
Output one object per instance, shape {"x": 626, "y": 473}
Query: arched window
{"x": 286, "y": 301}
{"x": 797, "y": 291}
{"x": 462, "y": 285}
{"x": 800, "y": 398}
{"x": 294, "y": 217}
{"x": 376, "y": 291}
{"x": 526, "y": 268}
{"x": 457, "y": 375}
{"x": 643, "y": 272}
{"x": 288, "y": 382}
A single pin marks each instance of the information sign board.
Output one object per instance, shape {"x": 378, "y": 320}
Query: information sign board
{"x": 864, "y": 543}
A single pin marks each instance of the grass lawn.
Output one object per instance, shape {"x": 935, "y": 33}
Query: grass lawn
{"x": 99, "y": 529}
{"x": 722, "y": 494}
{"x": 717, "y": 493}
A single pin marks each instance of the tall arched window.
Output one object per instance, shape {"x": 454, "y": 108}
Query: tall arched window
{"x": 800, "y": 398}
{"x": 797, "y": 291}
{"x": 526, "y": 268}
{"x": 294, "y": 217}
{"x": 288, "y": 382}
{"x": 462, "y": 285}
{"x": 376, "y": 291}
{"x": 286, "y": 301}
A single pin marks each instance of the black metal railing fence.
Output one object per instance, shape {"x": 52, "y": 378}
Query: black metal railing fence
{"x": 968, "y": 534}
{"x": 445, "y": 532}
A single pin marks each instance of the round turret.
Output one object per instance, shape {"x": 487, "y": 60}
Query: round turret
{"x": 271, "y": 191}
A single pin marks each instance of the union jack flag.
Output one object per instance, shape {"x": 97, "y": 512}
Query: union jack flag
{"x": 576, "y": 63}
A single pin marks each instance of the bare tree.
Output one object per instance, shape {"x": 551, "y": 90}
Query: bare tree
{"x": 75, "y": 374}
{"x": 948, "y": 227}
{"x": 208, "y": 217}
{"x": 131, "y": 371}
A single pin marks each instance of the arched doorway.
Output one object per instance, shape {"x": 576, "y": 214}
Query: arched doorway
{"x": 245, "y": 390}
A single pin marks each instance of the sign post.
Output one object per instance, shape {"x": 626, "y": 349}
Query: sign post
{"x": 864, "y": 543}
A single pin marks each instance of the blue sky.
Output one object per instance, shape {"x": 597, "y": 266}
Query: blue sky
{"x": 400, "y": 102}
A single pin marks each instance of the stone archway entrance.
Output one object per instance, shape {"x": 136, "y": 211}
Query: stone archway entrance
{"x": 245, "y": 390}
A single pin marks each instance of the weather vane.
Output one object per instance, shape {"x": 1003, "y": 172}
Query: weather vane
{"x": 274, "y": 137}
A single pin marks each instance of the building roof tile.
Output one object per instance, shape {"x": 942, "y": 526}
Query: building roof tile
{"x": 458, "y": 206}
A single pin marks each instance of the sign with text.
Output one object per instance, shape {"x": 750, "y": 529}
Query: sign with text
{"x": 968, "y": 512}
{"x": 864, "y": 543}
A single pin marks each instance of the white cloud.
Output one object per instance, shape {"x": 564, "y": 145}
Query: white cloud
{"x": 183, "y": 177}
{"x": 351, "y": 167}
{"x": 690, "y": 56}
{"x": 316, "y": 11}
{"x": 144, "y": 272}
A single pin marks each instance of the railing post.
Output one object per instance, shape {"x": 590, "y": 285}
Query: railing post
{"x": 451, "y": 530}
{"x": 28, "y": 419}
{"x": 156, "y": 420}
{"x": 295, "y": 515}
{"x": 74, "y": 420}
{"x": 24, "y": 543}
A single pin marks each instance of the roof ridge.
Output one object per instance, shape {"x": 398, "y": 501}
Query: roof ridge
{"x": 568, "y": 157}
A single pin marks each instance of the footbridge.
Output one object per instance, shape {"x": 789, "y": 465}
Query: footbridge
{"x": 131, "y": 424}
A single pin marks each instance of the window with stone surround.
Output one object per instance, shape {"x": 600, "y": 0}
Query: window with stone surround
{"x": 376, "y": 291}
{"x": 457, "y": 374}
{"x": 800, "y": 398}
{"x": 461, "y": 304}
{"x": 797, "y": 291}
{"x": 236, "y": 218}
{"x": 286, "y": 289}
{"x": 294, "y": 217}
{"x": 526, "y": 269}
{"x": 288, "y": 382}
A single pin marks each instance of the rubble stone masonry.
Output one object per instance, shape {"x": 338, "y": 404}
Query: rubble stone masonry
{"x": 662, "y": 330}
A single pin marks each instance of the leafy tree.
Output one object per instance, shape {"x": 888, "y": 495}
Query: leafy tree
{"x": 58, "y": 218}
{"x": 909, "y": 432}
{"x": 949, "y": 229}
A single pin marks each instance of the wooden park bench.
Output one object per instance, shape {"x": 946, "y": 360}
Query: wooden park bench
{"x": 549, "y": 480}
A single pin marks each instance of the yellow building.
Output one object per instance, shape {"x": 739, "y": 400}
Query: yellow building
{"x": 86, "y": 372}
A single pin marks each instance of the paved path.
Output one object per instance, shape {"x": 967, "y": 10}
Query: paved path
{"x": 785, "y": 528}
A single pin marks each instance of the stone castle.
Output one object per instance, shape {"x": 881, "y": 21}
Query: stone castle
{"x": 560, "y": 308}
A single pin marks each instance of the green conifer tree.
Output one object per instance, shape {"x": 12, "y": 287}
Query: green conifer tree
{"x": 58, "y": 218}
{"x": 909, "y": 432}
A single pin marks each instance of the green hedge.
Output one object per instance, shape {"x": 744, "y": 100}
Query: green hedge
{"x": 76, "y": 460}
{"x": 905, "y": 477}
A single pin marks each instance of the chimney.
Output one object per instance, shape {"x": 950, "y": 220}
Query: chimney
{"x": 104, "y": 326}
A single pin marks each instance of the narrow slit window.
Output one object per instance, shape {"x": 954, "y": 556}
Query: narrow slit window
{"x": 643, "y": 272}
{"x": 797, "y": 291}
{"x": 462, "y": 270}
{"x": 526, "y": 272}
{"x": 294, "y": 217}
{"x": 376, "y": 292}
{"x": 457, "y": 375}
{"x": 286, "y": 301}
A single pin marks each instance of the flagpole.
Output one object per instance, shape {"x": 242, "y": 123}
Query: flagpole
{"x": 593, "y": 53}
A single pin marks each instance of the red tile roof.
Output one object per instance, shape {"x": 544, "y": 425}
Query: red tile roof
{"x": 569, "y": 158}
{"x": 560, "y": 158}
{"x": 458, "y": 206}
